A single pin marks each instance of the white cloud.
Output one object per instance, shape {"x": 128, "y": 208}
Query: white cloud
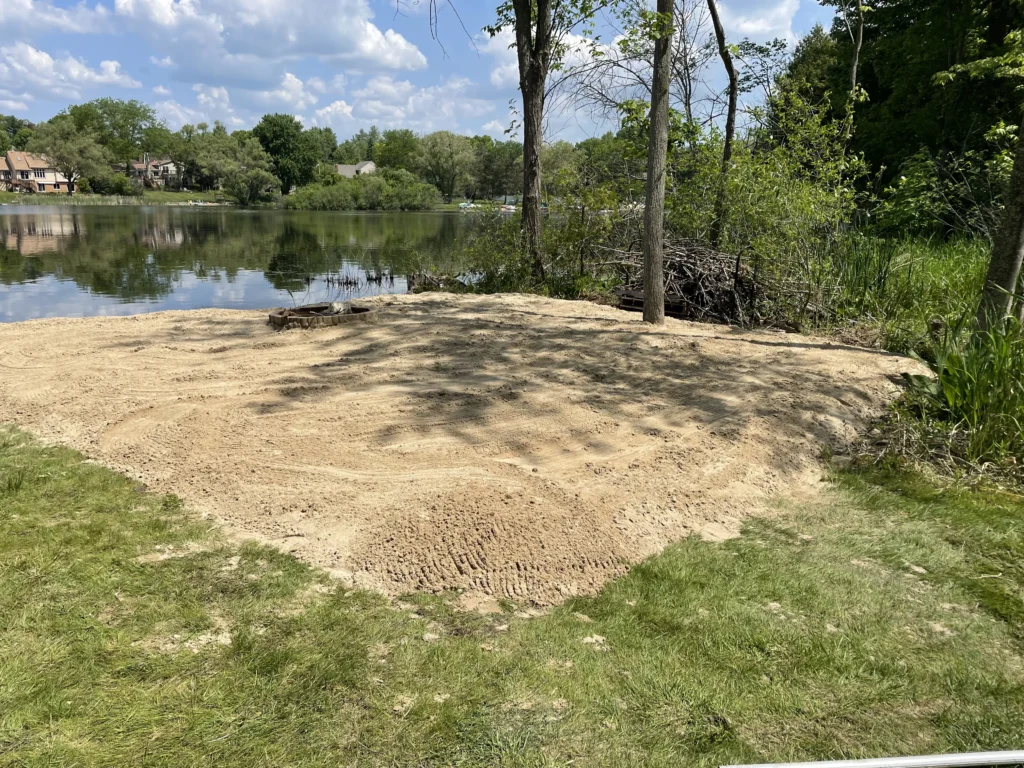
{"x": 13, "y": 106}
{"x": 333, "y": 115}
{"x": 319, "y": 85}
{"x": 22, "y": 66}
{"x": 292, "y": 93}
{"x": 388, "y": 49}
{"x": 159, "y": 90}
{"x": 762, "y": 21}
{"x": 25, "y": 16}
{"x": 506, "y": 68}
{"x": 399, "y": 103}
{"x": 386, "y": 87}
{"x": 177, "y": 115}
{"x": 247, "y": 42}
{"x": 166, "y": 62}
{"x": 212, "y": 98}
{"x": 495, "y": 126}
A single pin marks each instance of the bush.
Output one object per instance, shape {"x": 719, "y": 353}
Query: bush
{"x": 387, "y": 190}
{"x": 114, "y": 184}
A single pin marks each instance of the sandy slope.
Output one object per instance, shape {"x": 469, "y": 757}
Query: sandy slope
{"x": 509, "y": 445}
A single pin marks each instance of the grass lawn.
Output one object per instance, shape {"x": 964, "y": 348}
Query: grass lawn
{"x": 149, "y": 197}
{"x": 885, "y": 619}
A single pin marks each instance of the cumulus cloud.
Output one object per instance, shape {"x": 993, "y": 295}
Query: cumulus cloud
{"x": 245, "y": 43}
{"x": 166, "y": 62}
{"x": 505, "y": 73}
{"x": 399, "y": 103}
{"x": 159, "y": 90}
{"x": 333, "y": 115}
{"x": 38, "y": 73}
{"x": 291, "y": 93}
{"x": 758, "y": 20}
{"x": 26, "y": 16}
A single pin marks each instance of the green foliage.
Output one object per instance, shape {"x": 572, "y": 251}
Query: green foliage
{"x": 22, "y": 138}
{"x": 977, "y": 392}
{"x": 386, "y": 190}
{"x": 396, "y": 149}
{"x": 247, "y": 176}
{"x": 294, "y": 152}
{"x": 114, "y": 184}
{"x": 362, "y": 146}
{"x": 446, "y": 160}
{"x": 326, "y": 142}
{"x": 125, "y": 128}
{"x": 74, "y": 153}
{"x": 952, "y": 192}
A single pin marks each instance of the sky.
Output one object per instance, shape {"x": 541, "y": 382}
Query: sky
{"x": 347, "y": 64}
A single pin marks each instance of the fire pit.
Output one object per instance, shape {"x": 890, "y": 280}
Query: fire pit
{"x": 320, "y": 315}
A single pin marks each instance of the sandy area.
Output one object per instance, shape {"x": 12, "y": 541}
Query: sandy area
{"x": 507, "y": 445}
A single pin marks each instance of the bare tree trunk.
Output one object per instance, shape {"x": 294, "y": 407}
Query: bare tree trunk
{"x": 657, "y": 157}
{"x": 533, "y": 48}
{"x": 858, "y": 43}
{"x": 533, "y": 110}
{"x": 730, "y": 126}
{"x": 1004, "y": 269}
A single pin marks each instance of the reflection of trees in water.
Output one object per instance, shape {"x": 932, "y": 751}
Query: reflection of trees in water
{"x": 141, "y": 253}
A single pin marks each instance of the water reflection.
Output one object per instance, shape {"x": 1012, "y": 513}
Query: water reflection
{"x": 77, "y": 262}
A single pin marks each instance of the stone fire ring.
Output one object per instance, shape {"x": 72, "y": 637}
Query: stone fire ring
{"x": 314, "y": 316}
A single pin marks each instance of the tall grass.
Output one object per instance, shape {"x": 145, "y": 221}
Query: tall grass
{"x": 977, "y": 394}
{"x": 905, "y": 287}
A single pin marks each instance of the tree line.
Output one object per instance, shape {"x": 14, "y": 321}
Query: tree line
{"x": 87, "y": 142}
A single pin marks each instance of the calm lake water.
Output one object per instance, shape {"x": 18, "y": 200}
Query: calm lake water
{"x": 75, "y": 262}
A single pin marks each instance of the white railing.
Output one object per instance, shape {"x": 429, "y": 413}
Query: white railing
{"x": 976, "y": 759}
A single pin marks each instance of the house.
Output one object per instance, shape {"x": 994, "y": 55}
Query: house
{"x": 25, "y": 172}
{"x": 359, "y": 169}
{"x": 158, "y": 171}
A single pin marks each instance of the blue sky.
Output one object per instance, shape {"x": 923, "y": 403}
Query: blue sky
{"x": 343, "y": 63}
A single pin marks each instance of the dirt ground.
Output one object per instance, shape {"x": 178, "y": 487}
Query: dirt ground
{"x": 510, "y": 446}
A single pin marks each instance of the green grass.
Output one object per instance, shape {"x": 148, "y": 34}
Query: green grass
{"x": 885, "y": 619}
{"x": 150, "y": 197}
{"x": 897, "y": 288}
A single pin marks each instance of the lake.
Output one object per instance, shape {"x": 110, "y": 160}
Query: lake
{"x": 63, "y": 261}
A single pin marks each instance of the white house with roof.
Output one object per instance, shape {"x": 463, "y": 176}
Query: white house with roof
{"x": 24, "y": 172}
{"x": 359, "y": 169}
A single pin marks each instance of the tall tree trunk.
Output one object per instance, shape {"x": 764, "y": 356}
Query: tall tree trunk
{"x": 858, "y": 43}
{"x": 657, "y": 156}
{"x": 1007, "y": 251}
{"x": 533, "y": 48}
{"x": 730, "y": 126}
{"x": 533, "y": 115}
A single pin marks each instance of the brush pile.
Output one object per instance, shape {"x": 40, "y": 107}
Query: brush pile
{"x": 700, "y": 283}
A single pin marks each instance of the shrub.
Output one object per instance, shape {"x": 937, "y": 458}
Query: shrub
{"x": 388, "y": 190}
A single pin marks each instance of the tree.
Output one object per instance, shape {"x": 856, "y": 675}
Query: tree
{"x": 248, "y": 179}
{"x": 5, "y": 143}
{"x": 125, "y": 128}
{"x": 445, "y": 161}
{"x": 397, "y": 149}
{"x": 362, "y": 146}
{"x": 998, "y": 295}
{"x": 74, "y": 153}
{"x": 22, "y": 138}
{"x": 730, "y": 126}
{"x": 540, "y": 28}
{"x": 294, "y": 152}
{"x": 657, "y": 156}
{"x": 326, "y": 142}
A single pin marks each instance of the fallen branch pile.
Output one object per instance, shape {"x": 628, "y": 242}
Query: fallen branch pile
{"x": 700, "y": 283}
